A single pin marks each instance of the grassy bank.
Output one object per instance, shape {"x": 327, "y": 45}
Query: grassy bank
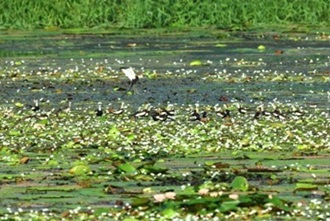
{"x": 227, "y": 14}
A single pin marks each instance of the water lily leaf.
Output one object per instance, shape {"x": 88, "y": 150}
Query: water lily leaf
{"x": 131, "y": 137}
{"x": 18, "y": 104}
{"x": 277, "y": 125}
{"x": 143, "y": 177}
{"x": 68, "y": 145}
{"x": 14, "y": 132}
{"x": 156, "y": 169}
{"x": 196, "y": 63}
{"x": 279, "y": 204}
{"x": 208, "y": 163}
{"x": 127, "y": 168}
{"x": 221, "y": 45}
{"x": 43, "y": 121}
{"x": 130, "y": 219}
{"x": 113, "y": 189}
{"x": 245, "y": 142}
{"x": 261, "y": 47}
{"x": 302, "y": 146}
{"x": 100, "y": 211}
{"x": 80, "y": 170}
{"x": 196, "y": 205}
{"x": 18, "y": 63}
{"x": 142, "y": 201}
{"x": 169, "y": 213}
{"x": 263, "y": 169}
{"x": 240, "y": 183}
{"x": 52, "y": 162}
{"x": 114, "y": 132}
{"x": 151, "y": 75}
{"x": 305, "y": 187}
{"x": 188, "y": 190}
{"x": 229, "y": 205}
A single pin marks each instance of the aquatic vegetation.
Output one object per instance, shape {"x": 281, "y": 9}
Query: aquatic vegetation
{"x": 241, "y": 134}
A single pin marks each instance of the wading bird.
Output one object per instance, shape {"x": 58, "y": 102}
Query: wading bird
{"x": 196, "y": 116}
{"x": 142, "y": 113}
{"x": 260, "y": 111}
{"x": 65, "y": 109}
{"x": 129, "y": 72}
{"x": 241, "y": 109}
{"x": 35, "y": 107}
{"x": 118, "y": 111}
{"x": 161, "y": 114}
{"x": 223, "y": 113}
{"x": 98, "y": 111}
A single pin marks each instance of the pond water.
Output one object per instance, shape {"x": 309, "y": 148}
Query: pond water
{"x": 292, "y": 68}
{"x": 183, "y": 70}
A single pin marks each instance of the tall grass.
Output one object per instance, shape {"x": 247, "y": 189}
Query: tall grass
{"x": 27, "y": 14}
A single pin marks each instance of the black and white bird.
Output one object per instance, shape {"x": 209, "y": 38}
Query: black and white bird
{"x": 129, "y": 72}
{"x": 142, "y": 113}
{"x": 117, "y": 111}
{"x": 195, "y": 116}
{"x": 162, "y": 114}
{"x": 277, "y": 113}
{"x": 241, "y": 109}
{"x": 223, "y": 112}
{"x": 35, "y": 107}
{"x": 260, "y": 111}
{"x": 99, "y": 111}
{"x": 66, "y": 109}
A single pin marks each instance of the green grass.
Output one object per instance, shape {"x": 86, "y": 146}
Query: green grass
{"x": 226, "y": 14}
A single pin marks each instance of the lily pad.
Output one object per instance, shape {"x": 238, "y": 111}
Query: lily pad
{"x": 240, "y": 183}
{"x": 80, "y": 170}
{"x": 127, "y": 168}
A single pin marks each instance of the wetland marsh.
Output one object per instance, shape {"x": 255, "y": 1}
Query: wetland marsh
{"x": 60, "y": 163}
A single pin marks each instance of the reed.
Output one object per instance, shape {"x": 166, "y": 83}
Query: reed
{"x": 39, "y": 14}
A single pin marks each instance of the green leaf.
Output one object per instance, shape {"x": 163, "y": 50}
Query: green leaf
{"x": 261, "y": 47}
{"x": 130, "y": 219}
{"x": 279, "y": 203}
{"x": 169, "y": 213}
{"x": 80, "y": 170}
{"x": 43, "y": 121}
{"x": 143, "y": 201}
{"x": 196, "y": 63}
{"x": 188, "y": 190}
{"x": 114, "y": 132}
{"x": 18, "y": 104}
{"x": 305, "y": 186}
{"x": 127, "y": 168}
{"x": 155, "y": 169}
{"x": 240, "y": 183}
{"x": 229, "y": 205}
{"x": 14, "y": 132}
{"x": 221, "y": 45}
{"x": 131, "y": 137}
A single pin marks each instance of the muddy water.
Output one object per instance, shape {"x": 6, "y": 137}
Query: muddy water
{"x": 291, "y": 69}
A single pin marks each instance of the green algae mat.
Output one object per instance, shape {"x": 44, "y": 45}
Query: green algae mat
{"x": 236, "y": 126}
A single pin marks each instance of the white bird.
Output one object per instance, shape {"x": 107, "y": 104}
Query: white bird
{"x": 129, "y": 72}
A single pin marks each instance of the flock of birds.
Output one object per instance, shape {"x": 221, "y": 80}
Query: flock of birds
{"x": 163, "y": 114}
